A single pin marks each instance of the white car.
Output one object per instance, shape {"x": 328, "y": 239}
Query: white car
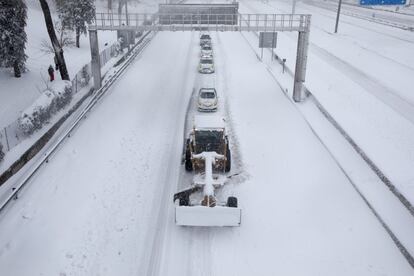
{"x": 207, "y": 100}
{"x": 206, "y": 51}
{"x": 206, "y": 66}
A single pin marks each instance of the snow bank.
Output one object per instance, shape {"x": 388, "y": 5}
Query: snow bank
{"x": 53, "y": 99}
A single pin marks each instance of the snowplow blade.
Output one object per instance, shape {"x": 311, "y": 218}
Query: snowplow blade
{"x": 207, "y": 216}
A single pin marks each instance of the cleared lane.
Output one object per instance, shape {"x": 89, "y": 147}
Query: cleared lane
{"x": 92, "y": 209}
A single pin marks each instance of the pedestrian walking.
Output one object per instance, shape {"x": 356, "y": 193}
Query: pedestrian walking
{"x": 51, "y": 72}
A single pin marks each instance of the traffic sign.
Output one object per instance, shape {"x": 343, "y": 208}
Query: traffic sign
{"x": 267, "y": 40}
{"x": 381, "y": 2}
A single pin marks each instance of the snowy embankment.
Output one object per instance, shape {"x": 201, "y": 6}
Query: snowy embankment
{"x": 81, "y": 57}
{"x": 355, "y": 88}
{"x": 19, "y": 93}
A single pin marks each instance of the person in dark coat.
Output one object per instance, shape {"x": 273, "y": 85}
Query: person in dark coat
{"x": 51, "y": 72}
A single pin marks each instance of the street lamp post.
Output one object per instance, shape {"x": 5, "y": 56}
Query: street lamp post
{"x": 337, "y": 15}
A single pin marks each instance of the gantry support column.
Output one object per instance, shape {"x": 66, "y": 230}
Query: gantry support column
{"x": 300, "y": 69}
{"x": 96, "y": 61}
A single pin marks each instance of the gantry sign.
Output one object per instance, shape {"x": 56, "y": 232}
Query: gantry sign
{"x": 206, "y": 17}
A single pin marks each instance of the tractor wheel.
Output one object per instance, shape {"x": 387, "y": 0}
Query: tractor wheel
{"x": 188, "y": 162}
{"x": 184, "y": 201}
{"x": 228, "y": 161}
{"x": 232, "y": 202}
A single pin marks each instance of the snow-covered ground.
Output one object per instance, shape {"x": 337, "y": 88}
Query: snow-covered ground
{"x": 362, "y": 77}
{"x": 114, "y": 177}
{"x": 402, "y": 18}
{"x": 103, "y": 204}
{"x": 19, "y": 93}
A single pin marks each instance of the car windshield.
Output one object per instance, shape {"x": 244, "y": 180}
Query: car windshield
{"x": 206, "y": 61}
{"x": 207, "y": 95}
{"x": 207, "y": 48}
{"x": 205, "y": 37}
{"x": 208, "y": 140}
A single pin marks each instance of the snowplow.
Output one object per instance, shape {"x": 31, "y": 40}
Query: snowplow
{"x": 198, "y": 205}
{"x": 208, "y": 134}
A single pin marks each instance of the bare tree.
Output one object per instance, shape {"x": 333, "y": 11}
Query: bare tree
{"x": 54, "y": 40}
{"x": 64, "y": 37}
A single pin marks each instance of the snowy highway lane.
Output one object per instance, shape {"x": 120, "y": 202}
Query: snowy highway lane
{"x": 103, "y": 204}
{"x": 92, "y": 210}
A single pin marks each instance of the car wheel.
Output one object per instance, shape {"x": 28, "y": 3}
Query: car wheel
{"x": 228, "y": 161}
{"x": 184, "y": 201}
{"x": 188, "y": 162}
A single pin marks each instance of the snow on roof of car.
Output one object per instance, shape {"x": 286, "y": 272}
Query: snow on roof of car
{"x": 209, "y": 121}
{"x": 212, "y": 89}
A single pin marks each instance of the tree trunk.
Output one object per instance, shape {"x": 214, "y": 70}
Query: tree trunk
{"x": 55, "y": 42}
{"x": 17, "y": 72}
{"x": 77, "y": 37}
{"x": 121, "y": 4}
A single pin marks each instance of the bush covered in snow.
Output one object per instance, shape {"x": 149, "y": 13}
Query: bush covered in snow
{"x": 116, "y": 48}
{"x": 1, "y": 152}
{"x": 85, "y": 76}
{"x": 53, "y": 99}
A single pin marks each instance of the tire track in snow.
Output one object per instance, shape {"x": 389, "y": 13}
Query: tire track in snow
{"x": 197, "y": 246}
{"x": 406, "y": 254}
{"x": 348, "y": 11}
{"x": 222, "y": 76}
{"x": 162, "y": 207}
{"x": 356, "y": 147}
{"x": 385, "y": 94}
{"x": 312, "y": 9}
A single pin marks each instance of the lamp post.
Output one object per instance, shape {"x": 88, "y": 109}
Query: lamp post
{"x": 337, "y": 15}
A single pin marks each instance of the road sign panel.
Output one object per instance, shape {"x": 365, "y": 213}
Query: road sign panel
{"x": 267, "y": 40}
{"x": 382, "y": 2}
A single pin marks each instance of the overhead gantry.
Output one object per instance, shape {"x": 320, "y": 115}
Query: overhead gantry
{"x": 206, "y": 17}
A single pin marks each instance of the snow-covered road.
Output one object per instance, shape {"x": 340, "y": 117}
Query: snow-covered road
{"x": 93, "y": 209}
{"x": 103, "y": 204}
{"x": 300, "y": 216}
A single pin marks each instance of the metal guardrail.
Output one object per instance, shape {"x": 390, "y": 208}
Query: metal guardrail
{"x": 186, "y": 22}
{"x": 96, "y": 97}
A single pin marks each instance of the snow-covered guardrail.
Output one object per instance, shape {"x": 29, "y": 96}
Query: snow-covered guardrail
{"x": 15, "y": 189}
